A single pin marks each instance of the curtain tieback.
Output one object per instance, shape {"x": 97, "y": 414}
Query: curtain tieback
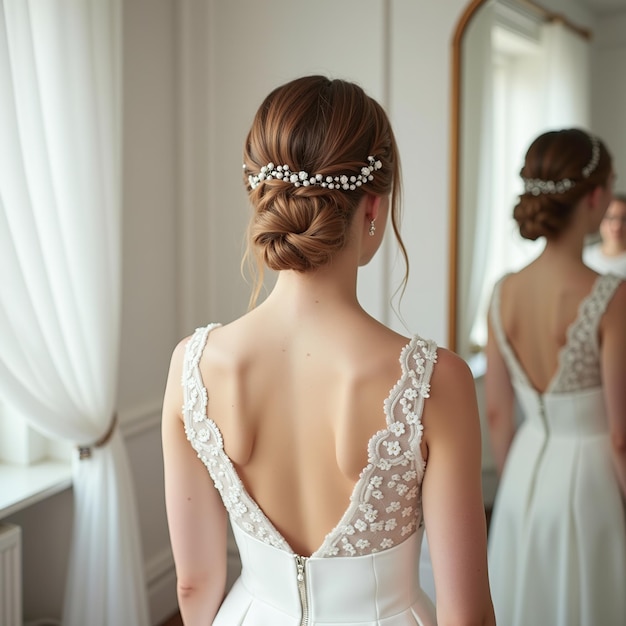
{"x": 84, "y": 452}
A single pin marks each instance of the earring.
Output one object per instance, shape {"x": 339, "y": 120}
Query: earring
{"x": 372, "y": 228}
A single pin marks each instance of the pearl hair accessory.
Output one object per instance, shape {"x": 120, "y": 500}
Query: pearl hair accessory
{"x": 537, "y": 186}
{"x": 595, "y": 157}
{"x": 347, "y": 182}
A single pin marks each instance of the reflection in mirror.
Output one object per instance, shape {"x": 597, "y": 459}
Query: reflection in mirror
{"x": 520, "y": 71}
{"x": 508, "y": 83}
{"x": 517, "y": 99}
{"x": 517, "y": 72}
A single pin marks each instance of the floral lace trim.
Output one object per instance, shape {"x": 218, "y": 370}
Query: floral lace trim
{"x": 385, "y": 506}
{"x": 206, "y": 439}
{"x": 579, "y": 360}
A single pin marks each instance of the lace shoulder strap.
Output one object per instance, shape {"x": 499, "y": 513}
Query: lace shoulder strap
{"x": 206, "y": 439}
{"x": 385, "y": 506}
{"x": 579, "y": 360}
{"x": 592, "y": 308}
{"x": 584, "y": 329}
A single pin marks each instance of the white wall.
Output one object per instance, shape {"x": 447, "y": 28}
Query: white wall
{"x": 398, "y": 51}
{"x": 609, "y": 89}
{"x": 195, "y": 72}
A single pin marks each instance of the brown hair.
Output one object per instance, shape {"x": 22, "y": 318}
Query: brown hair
{"x": 555, "y": 156}
{"x": 320, "y": 126}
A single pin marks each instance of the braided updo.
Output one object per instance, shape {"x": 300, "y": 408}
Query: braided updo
{"x": 320, "y": 126}
{"x": 557, "y": 156}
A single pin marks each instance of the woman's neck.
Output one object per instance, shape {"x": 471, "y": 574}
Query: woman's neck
{"x": 325, "y": 290}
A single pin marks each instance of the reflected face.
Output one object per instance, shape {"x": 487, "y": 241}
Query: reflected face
{"x": 613, "y": 225}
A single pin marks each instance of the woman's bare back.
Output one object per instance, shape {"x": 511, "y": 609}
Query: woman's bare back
{"x": 287, "y": 394}
{"x": 538, "y": 305}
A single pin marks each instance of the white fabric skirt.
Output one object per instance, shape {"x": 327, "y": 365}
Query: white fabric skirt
{"x": 557, "y": 542}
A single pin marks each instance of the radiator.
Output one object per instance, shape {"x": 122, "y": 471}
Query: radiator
{"x": 10, "y": 575}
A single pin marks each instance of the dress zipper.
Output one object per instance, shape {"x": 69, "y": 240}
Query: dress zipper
{"x": 301, "y": 578}
{"x": 544, "y": 421}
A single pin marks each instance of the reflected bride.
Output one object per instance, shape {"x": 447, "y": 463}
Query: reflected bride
{"x": 541, "y": 65}
{"x": 537, "y": 78}
{"x": 554, "y": 326}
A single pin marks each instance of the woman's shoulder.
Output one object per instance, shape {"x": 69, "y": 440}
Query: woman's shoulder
{"x": 504, "y": 282}
{"x": 191, "y": 346}
{"x": 450, "y": 373}
{"x": 452, "y": 398}
{"x": 612, "y": 323}
{"x": 452, "y": 368}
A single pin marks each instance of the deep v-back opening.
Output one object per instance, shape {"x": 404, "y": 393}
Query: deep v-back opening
{"x": 358, "y": 484}
{"x": 560, "y": 361}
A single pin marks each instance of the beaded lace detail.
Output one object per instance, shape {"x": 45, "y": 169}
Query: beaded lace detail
{"x": 385, "y": 506}
{"x": 579, "y": 358}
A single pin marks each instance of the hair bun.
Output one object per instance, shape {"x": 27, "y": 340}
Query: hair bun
{"x": 315, "y": 147}
{"x": 298, "y": 233}
{"x": 541, "y": 216}
{"x": 560, "y": 168}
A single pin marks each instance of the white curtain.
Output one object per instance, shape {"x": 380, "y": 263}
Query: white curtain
{"x": 546, "y": 89}
{"x": 567, "y": 77}
{"x": 60, "y": 203}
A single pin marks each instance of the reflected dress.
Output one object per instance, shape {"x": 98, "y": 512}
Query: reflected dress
{"x": 557, "y": 541}
{"x": 366, "y": 572}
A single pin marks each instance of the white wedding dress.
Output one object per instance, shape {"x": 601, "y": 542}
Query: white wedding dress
{"x": 366, "y": 572}
{"x": 557, "y": 541}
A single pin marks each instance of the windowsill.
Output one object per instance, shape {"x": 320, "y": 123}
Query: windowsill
{"x": 24, "y": 485}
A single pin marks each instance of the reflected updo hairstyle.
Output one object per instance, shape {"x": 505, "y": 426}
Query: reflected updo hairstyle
{"x": 319, "y": 126}
{"x": 554, "y": 157}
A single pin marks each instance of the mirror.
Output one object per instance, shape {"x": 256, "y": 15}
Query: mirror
{"x": 495, "y": 117}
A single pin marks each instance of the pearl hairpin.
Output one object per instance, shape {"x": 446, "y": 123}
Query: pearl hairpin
{"x": 347, "y": 182}
{"x": 537, "y": 186}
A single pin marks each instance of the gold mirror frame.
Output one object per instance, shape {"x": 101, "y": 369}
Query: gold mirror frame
{"x": 455, "y": 148}
{"x": 455, "y": 151}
